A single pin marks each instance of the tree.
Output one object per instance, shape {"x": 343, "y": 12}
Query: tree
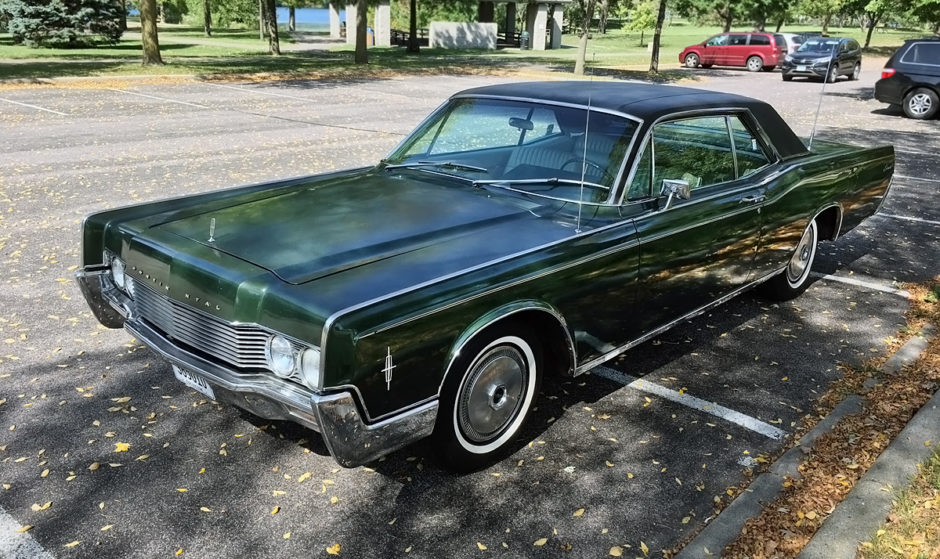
{"x": 587, "y": 8}
{"x": 413, "y": 46}
{"x": 148, "y": 33}
{"x": 362, "y": 55}
{"x": 270, "y": 26}
{"x": 822, "y": 9}
{"x": 660, "y": 17}
{"x": 869, "y": 13}
{"x": 926, "y": 11}
{"x": 644, "y": 17}
{"x": 207, "y": 17}
{"x": 63, "y": 23}
{"x": 727, "y": 11}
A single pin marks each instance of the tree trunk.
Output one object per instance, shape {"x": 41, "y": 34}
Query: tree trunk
{"x": 779, "y": 25}
{"x": 585, "y": 31}
{"x": 261, "y": 19}
{"x": 660, "y": 17}
{"x": 274, "y": 44}
{"x": 124, "y": 15}
{"x": 604, "y": 9}
{"x": 148, "y": 32}
{"x": 872, "y": 24}
{"x": 292, "y": 18}
{"x": 762, "y": 24}
{"x": 642, "y": 34}
{"x": 826, "y": 20}
{"x": 207, "y": 17}
{"x": 362, "y": 56}
{"x": 413, "y": 46}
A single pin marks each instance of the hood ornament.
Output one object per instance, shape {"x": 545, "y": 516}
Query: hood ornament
{"x": 212, "y": 230}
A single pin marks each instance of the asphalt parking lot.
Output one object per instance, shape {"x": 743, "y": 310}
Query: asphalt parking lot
{"x": 633, "y": 455}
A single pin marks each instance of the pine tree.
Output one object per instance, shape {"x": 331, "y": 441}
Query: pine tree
{"x": 63, "y": 23}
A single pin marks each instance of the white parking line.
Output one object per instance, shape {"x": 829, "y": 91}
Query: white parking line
{"x": 711, "y": 408}
{"x": 867, "y": 284}
{"x": 250, "y": 90}
{"x": 906, "y": 218}
{"x": 168, "y": 100}
{"x": 16, "y": 544}
{"x": 907, "y": 178}
{"x": 33, "y": 107}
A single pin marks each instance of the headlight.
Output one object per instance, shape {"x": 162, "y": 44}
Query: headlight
{"x": 822, "y": 60}
{"x": 310, "y": 367}
{"x": 117, "y": 273}
{"x": 788, "y": 58}
{"x": 280, "y": 355}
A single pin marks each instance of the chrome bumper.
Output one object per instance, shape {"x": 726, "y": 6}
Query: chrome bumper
{"x": 350, "y": 440}
{"x": 99, "y": 292}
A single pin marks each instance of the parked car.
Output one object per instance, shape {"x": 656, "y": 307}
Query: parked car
{"x": 911, "y": 78}
{"x": 794, "y": 40}
{"x": 825, "y": 58}
{"x": 754, "y": 51}
{"x": 523, "y": 232}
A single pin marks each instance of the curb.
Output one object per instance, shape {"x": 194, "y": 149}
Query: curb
{"x": 862, "y": 511}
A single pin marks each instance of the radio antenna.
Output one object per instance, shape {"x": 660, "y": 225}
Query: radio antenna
{"x": 822, "y": 93}
{"x": 587, "y": 128}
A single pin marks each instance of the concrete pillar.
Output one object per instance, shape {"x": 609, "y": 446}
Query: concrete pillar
{"x": 383, "y": 24}
{"x": 486, "y": 12}
{"x": 334, "y": 21}
{"x": 510, "y": 22}
{"x": 557, "y": 21}
{"x": 536, "y": 21}
{"x": 350, "y": 24}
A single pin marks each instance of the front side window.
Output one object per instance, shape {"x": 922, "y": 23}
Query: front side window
{"x": 717, "y": 41}
{"x": 562, "y": 152}
{"x": 702, "y": 151}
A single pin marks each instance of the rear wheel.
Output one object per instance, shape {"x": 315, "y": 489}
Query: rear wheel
{"x": 921, "y": 103}
{"x": 488, "y": 396}
{"x": 755, "y": 63}
{"x": 692, "y": 60}
{"x": 795, "y": 278}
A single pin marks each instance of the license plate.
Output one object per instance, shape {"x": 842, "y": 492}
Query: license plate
{"x": 800, "y": 68}
{"x": 194, "y": 381}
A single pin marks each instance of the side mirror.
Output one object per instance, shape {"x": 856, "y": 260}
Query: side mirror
{"x": 675, "y": 188}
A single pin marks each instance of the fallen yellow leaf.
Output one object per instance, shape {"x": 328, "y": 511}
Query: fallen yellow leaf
{"x": 286, "y": 536}
{"x": 72, "y": 544}
{"x": 205, "y": 509}
{"x": 304, "y": 477}
{"x": 333, "y": 549}
{"x": 26, "y": 528}
{"x": 106, "y": 528}
{"x": 121, "y": 447}
{"x": 616, "y": 551}
{"x": 481, "y": 546}
{"x": 275, "y": 510}
{"x": 578, "y": 513}
{"x": 540, "y": 542}
{"x": 646, "y": 550}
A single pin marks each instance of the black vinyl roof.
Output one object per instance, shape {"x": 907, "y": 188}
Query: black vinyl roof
{"x": 648, "y": 102}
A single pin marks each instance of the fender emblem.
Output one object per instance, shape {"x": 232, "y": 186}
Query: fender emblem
{"x": 389, "y": 367}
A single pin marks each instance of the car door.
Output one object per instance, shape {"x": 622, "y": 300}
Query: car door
{"x": 735, "y": 54}
{"x": 695, "y": 251}
{"x": 713, "y": 48}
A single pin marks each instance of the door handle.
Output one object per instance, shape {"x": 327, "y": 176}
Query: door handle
{"x": 752, "y": 199}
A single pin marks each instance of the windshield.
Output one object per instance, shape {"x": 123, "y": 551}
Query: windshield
{"x": 539, "y": 149}
{"x": 820, "y": 45}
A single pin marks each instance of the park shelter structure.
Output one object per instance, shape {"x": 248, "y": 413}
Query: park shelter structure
{"x": 543, "y": 21}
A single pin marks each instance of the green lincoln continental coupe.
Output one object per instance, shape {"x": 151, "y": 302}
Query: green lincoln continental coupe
{"x": 522, "y": 232}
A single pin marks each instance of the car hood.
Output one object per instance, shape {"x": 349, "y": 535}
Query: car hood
{"x": 318, "y": 229}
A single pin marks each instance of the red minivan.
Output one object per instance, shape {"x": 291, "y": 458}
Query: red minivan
{"x": 754, "y": 51}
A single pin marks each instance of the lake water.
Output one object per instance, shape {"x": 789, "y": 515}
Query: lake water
{"x": 310, "y": 18}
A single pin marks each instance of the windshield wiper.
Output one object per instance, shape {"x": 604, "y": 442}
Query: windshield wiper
{"x": 443, "y": 164}
{"x": 547, "y": 180}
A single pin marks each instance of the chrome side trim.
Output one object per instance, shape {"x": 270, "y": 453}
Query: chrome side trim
{"x": 585, "y": 367}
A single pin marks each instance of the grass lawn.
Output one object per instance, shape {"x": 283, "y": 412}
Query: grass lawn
{"x": 235, "y": 52}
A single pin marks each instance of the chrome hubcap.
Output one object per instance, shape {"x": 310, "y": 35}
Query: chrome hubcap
{"x": 919, "y": 104}
{"x": 493, "y": 393}
{"x": 800, "y": 260}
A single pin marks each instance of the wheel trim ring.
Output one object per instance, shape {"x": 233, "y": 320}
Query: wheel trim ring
{"x": 529, "y": 395}
{"x": 802, "y": 260}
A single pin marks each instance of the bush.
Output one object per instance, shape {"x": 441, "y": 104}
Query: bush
{"x": 63, "y": 23}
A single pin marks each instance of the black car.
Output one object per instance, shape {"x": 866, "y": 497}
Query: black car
{"x": 824, "y": 58}
{"x": 911, "y": 78}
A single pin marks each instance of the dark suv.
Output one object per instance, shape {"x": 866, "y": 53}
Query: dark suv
{"x": 911, "y": 78}
{"x": 824, "y": 58}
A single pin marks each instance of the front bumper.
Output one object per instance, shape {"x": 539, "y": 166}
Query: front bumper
{"x": 336, "y": 416}
{"x": 808, "y": 70}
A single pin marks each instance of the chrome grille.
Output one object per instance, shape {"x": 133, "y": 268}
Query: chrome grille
{"x": 240, "y": 346}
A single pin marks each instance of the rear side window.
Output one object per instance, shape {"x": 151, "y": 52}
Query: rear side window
{"x": 737, "y": 40}
{"x": 923, "y": 53}
{"x": 781, "y": 40}
{"x": 760, "y": 40}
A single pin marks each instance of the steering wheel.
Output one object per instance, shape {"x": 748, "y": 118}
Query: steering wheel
{"x": 601, "y": 169}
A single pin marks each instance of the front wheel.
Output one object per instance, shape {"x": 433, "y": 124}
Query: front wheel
{"x": 921, "y": 103}
{"x": 855, "y": 72}
{"x": 755, "y": 63}
{"x": 487, "y": 397}
{"x": 787, "y": 78}
{"x": 831, "y": 75}
{"x": 795, "y": 278}
{"x": 691, "y": 60}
